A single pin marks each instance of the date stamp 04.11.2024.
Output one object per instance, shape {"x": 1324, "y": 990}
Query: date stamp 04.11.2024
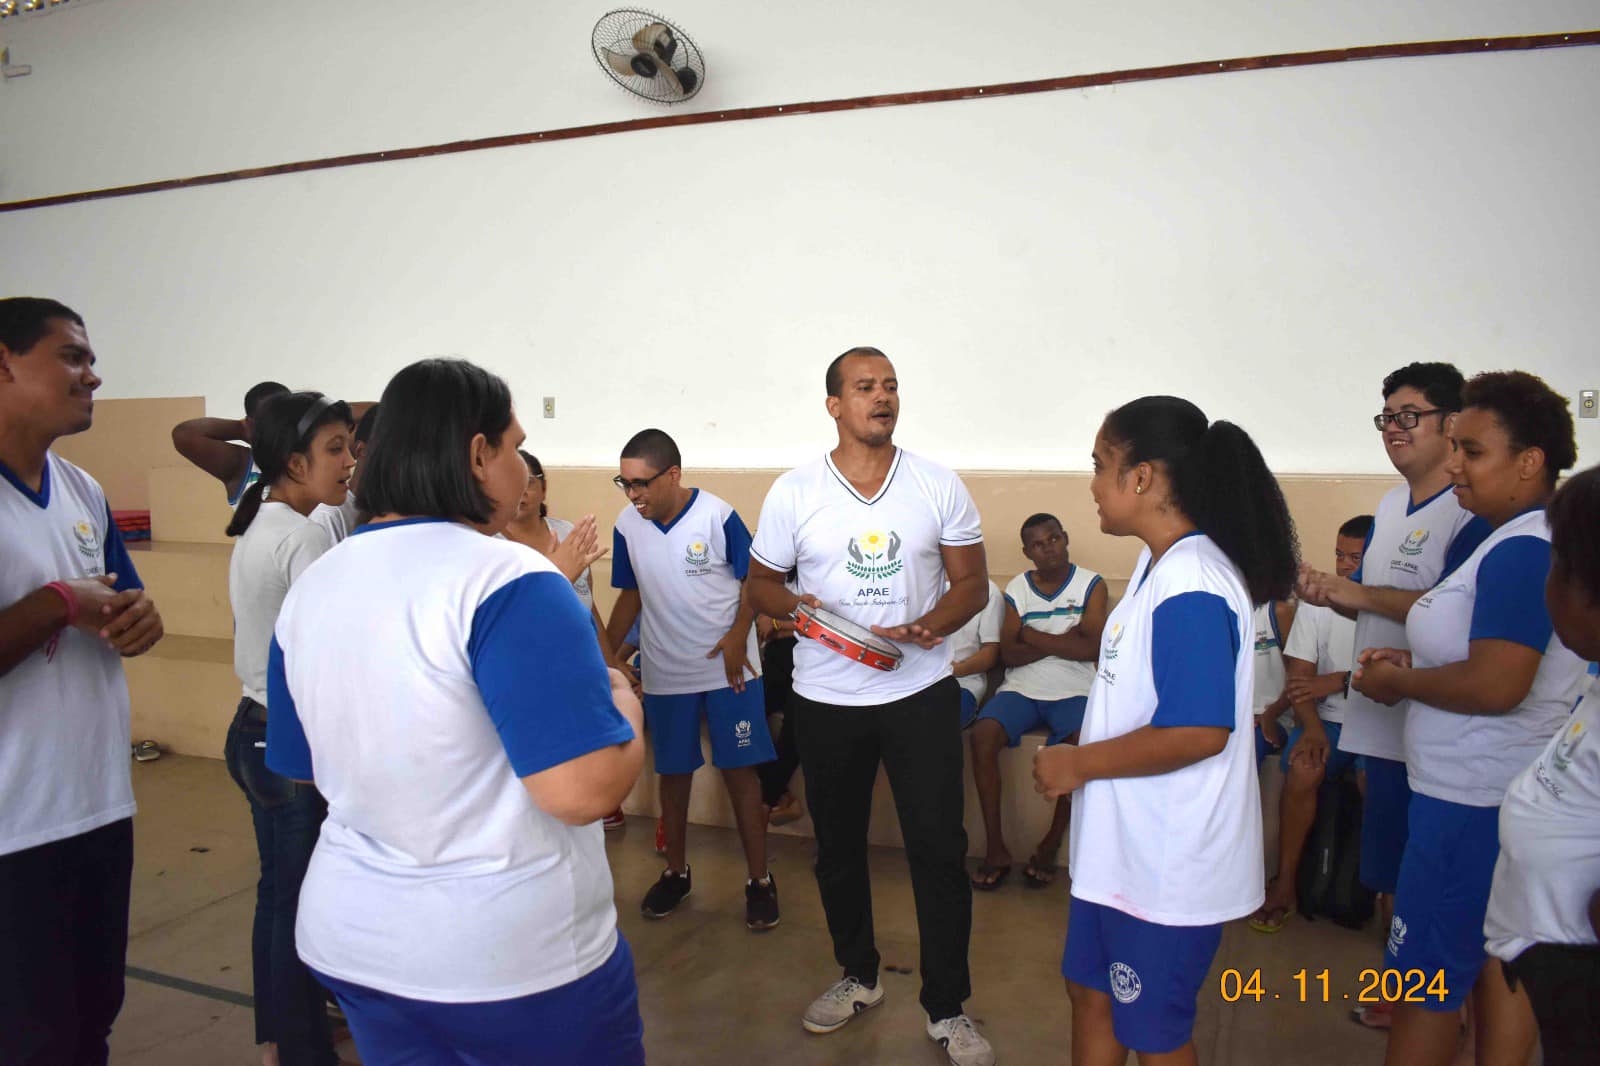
{"x": 1317, "y": 986}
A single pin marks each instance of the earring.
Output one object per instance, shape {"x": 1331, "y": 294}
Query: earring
{"x": 1138, "y": 490}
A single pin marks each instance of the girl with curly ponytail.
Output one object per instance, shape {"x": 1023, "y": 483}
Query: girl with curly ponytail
{"x": 1166, "y": 828}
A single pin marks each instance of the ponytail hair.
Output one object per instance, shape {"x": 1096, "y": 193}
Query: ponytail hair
{"x": 1220, "y": 481}
{"x": 284, "y": 427}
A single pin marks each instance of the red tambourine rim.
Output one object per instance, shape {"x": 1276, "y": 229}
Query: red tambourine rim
{"x": 808, "y": 624}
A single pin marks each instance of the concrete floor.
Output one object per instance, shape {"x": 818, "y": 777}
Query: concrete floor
{"x": 710, "y": 991}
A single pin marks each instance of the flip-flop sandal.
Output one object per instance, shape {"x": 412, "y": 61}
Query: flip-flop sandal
{"x": 1038, "y": 874}
{"x": 988, "y": 878}
{"x": 1267, "y": 924}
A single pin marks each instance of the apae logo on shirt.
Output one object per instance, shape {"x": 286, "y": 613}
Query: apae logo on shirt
{"x": 88, "y": 540}
{"x": 874, "y": 555}
{"x": 1114, "y": 636}
{"x": 1125, "y": 983}
{"x": 697, "y": 553}
{"x": 741, "y": 733}
{"x": 1397, "y": 935}
{"x": 1414, "y": 541}
{"x": 1265, "y": 642}
{"x": 1568, "y": 748}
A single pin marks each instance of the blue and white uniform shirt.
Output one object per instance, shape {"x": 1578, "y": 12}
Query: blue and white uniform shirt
{"x": 690, "y": 576}
{"x": 872, "y": 561}
{"x": 1407, "y": 548}
{"x": 1497, "y": 594}
{"x": 64, "y": 709}
{"x": 417, "y": 672}
{"x": 1180, "y": 848}
{"x": 1051, "y": 678}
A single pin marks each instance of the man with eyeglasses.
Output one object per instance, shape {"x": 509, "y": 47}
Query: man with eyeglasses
{"x": 1419, "y": 534}
{"x": 679, "y": 556}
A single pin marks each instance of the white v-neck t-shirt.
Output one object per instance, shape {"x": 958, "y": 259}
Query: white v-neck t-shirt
{"x": 873, "y": 561}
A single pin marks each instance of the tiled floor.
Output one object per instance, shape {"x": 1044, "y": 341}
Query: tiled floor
{"x": 710, "y": 991}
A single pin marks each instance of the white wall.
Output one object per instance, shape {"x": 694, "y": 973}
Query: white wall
{"x": 1268, "y": 244}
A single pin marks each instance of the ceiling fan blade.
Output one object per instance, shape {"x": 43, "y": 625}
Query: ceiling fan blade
{"x": 674, "y": 82}
{"x": 656, "y": 39}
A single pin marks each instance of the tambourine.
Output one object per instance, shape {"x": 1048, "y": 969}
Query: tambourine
{"x": 846, "y": 638}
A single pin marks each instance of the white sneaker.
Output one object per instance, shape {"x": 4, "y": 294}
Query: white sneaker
{"x": 961, "y": 1041}
{"x": 839, "y": 1004}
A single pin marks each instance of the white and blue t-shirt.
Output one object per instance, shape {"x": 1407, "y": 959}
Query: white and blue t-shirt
{"x": 1409, "y": 547}
{"x": 1051, "y": 678}
{"x": 1269, "y": 672}
{"x": 689, "y": 574}
{"x": 1326, "y": 639}
{"x": 1180, "y": 848}
{"x": 1549, "y": 860}
{"x": 1497, "y": 594}
{"x": 872, "y": 561}
{"x": 982, "y": 628}
{"x": 419, "y": 670}
{"x": 64, "y": 730}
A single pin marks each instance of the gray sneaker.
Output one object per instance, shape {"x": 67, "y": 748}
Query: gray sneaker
{"x": 839, "y": 1004}
{"x": 961, "y": 1041}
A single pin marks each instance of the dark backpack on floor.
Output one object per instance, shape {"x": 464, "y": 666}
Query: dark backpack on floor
{"x": 1328, "y": 882}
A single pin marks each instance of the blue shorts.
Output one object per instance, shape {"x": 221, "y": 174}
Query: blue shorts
{"x": 1017, "y": 714}
{"x": 1264, "y": 748}
{"x": 969, "y": 708}
{"x": 592, "y": 1019}
{"x": 1444, "y": 895}
{"x": 1338, "y": 761}
{"x": 737, "y": 722}
{"x": 1153, "y": 973}
{"x": 1385, "y": 822}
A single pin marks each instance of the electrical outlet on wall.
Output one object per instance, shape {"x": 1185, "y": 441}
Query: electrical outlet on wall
{"x": 1587, "y": 403}
{"x": 549, "y": 406}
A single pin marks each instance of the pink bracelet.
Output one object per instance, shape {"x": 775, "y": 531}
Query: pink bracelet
{"x": 62, "y": 589}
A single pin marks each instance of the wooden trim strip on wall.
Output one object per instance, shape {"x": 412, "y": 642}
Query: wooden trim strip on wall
{"x": 974, "y": 92}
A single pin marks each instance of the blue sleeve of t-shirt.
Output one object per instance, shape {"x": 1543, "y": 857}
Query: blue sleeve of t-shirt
{"x": 1194, "y": 647}
{"x": 1365, "y": 545}
{"x": 621, "y": 566}
{"x": 738, "y": 540}
{"x": 1465, "y": 543}
{"x": 1510, "y": 604}
{"x": 117, "y": 560}
{"x": 288, "y": 753}
{"x": 539, "y": 671}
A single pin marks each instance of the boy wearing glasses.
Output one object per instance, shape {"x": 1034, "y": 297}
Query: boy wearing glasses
{"x": 1419, "y": 534}
{"x": 680, "y": 556}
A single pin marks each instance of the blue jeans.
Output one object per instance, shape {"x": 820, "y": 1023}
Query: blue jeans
{"x": 290, "y": 1007}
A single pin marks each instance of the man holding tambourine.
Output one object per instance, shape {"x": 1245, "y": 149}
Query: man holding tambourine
{"x": 874, "y": 533}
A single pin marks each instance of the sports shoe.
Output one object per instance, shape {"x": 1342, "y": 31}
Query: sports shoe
{"x": 839, "y": 1004}
{"x": 615, "y": 820}
{"x": 961, "y": 1041}
{"x": 761, "y": 903}
{"x": 665, "y": 895}
{"x": 661, "y": 836}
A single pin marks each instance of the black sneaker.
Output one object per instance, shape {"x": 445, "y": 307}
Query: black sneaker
{"x": 761, "y": 903}
{"x": 665, "y": 895}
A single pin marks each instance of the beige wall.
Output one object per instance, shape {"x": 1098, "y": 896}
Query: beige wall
{"x": 128, "y": 439}
{"x": 183, "y": 693}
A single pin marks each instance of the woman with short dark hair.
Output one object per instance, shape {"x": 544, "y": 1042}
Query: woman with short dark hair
{"x": 1487, "y": 685}
{"x": 445, "y": 690}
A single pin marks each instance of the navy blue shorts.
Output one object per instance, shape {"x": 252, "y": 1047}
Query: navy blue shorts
{"x": 1385, "y": 822}
{"x": 1443, "y": 896}
{"x": 737, "y": 722}
{"x": 593, "y": 1019}
{"x": 969, "y": 708}
{"x": 1153, "y": 973}
{"x": 1017, "y": 714}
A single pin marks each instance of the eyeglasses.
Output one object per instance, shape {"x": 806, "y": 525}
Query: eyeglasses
{"x": 1405, "y": 419}
{"x": 637, "y": 484}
